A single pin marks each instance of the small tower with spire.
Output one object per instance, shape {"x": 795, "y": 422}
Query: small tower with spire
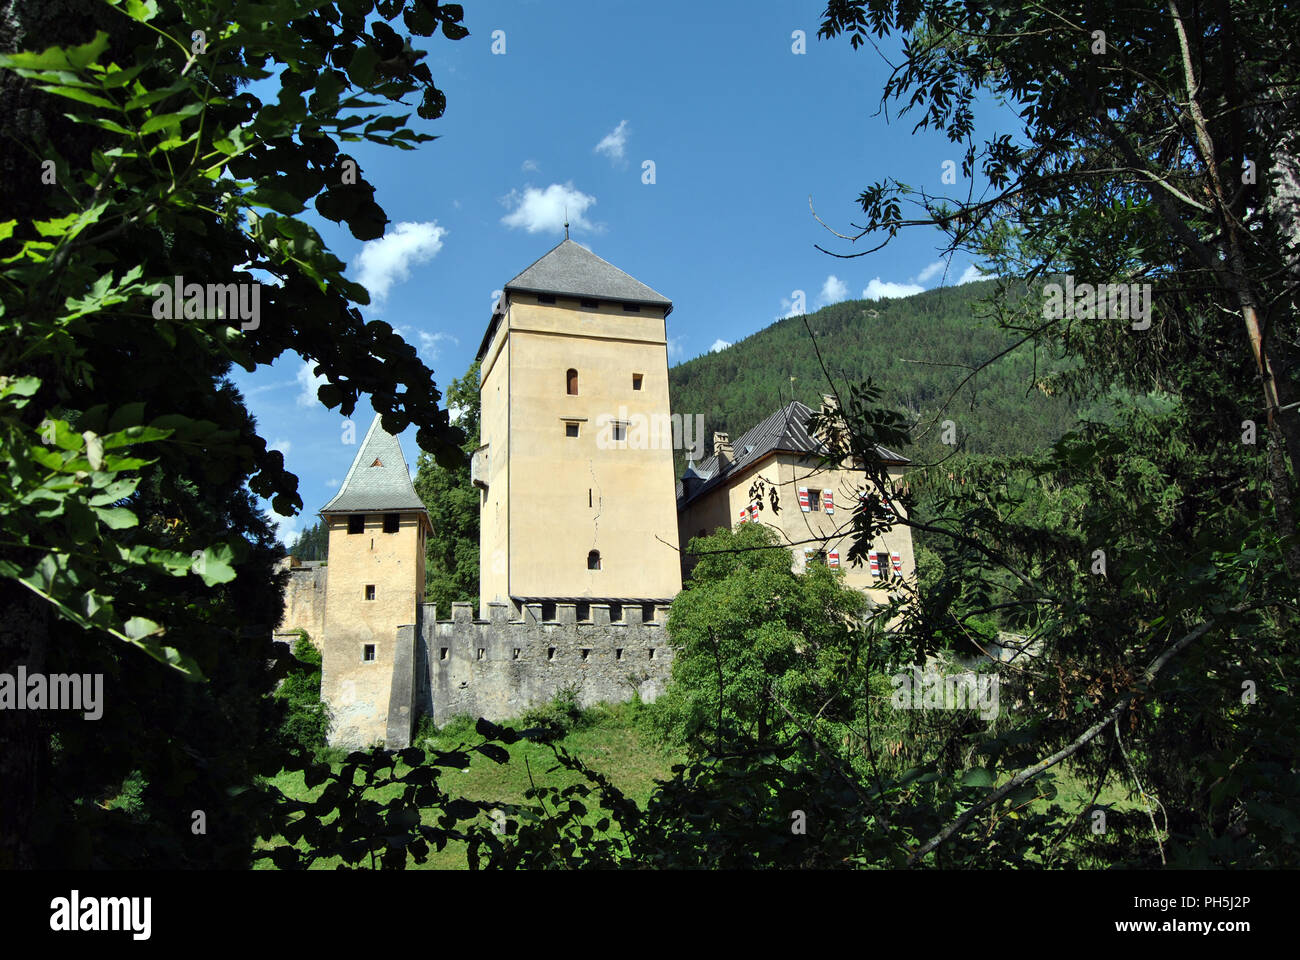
{"x": 377, "y": 531}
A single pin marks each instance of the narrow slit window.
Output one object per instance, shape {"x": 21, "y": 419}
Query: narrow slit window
{"x": 620, "y": 431}
{"x": 636, "y": 381}
{"x": 652, "y": 653}
{"x": 481, "y": 651}
{"x": 370, "y": 591}
{"x": 550, "y": 653}
{"x": 618, "y": 653}
{"x": 515, "y": 654}
{"x": 571, "y": 382}
{"x": 442, "y": 653}
{"x": 586, "y": 652}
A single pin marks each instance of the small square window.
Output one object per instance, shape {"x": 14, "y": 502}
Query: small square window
{"x": 814, "y": 500}
{"x": 370, "y": 591}
{"x": 392, "y": 522}
{"x": 368, "y": 653}
{"x": 356, "y": 523}
{"x": 545, "y": 298}
{"x": 620, "y": 430}
{"x": 570, "y": 429}
{"x": 636, "y": 381}
{"x": 631, "y": 308}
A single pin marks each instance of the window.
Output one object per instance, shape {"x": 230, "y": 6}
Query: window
{"x": 546, "y": 298}
{"x": 442, "y": 653}
{"x": 370, "y": 591}
{"x": 620, "y": 430}
{"x": 591, "y": 304}
{"x": 515, "y": 654}
{"x": 356, "y": 523}
{"x": 636, "y": 381}
{"x": 618, "y": 653}
{"x": 481, "y": 651}
{"x": 392, "y": 522}
{"x": 584, "y": 611}
{"x": 548, "y": 610}
{"x": 368, "y": 653}
{"x": 631, "y": 308}
{"x": 570, "y": 429}
{"x": 571, "y": 379}
{"x": 647, "y": 613}
{"x": 550, "y": 653}
{"x": 586, "y": 652}
{"x": 616, "y": 613}
{"x": 814, "y": 500}
{"x": 593, "y": 560}
{"x": 652, "y": 653}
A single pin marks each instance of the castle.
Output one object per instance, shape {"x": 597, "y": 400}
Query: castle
{"x": 580, "y": 524}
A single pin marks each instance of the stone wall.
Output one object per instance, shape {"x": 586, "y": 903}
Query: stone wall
{"x": 498, "y": 668}
{"x": 304, "y": 599}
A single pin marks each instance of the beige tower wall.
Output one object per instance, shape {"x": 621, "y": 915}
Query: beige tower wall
{"x": 567, "y": 495}
{"x": 493, "y": 465}
{"x": 356, "y": 690}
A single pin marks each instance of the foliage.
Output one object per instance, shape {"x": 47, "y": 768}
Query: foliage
{"x": 451, "y": 553}
{"x": 752, "y": 640}
{"x": 129, "y": 526}
{"x": 313, "y": 543}
{"x": 307, "y": 718}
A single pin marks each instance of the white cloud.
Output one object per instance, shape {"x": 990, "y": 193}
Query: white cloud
{"x": 790, "y": 309}
{"x": 385, "y": 261}
{"x": 879, "y": 289}
{"x": 676, "y": 347}
{"x": 281, "y": 445}
{"x": 455, "y": 412}
{"x": 530, "y": 166}
{"x": 286, "y": 528}
{"x": 538, "y": 211}
{"x": 308, "y": 384}
{"x": 719, "y": 345}
{"x": 834, "y": 290}
{"x": 614, "y": 144}
{"x": 429, "y": 342}
{"x": 930, "y": 272}
{"x": 971, "y": 274}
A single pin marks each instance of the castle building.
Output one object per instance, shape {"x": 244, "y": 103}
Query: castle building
{"x": 574, "y": 507}
{"x": 774, "y": 475}
{"x": 374, "y": 583}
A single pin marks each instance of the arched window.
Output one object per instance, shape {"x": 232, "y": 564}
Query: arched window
{"x": 572, "y": 379}
{"x": 593, "y": 560}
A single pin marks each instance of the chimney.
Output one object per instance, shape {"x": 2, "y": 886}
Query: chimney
{"x": 834, "y": 432}
{"x": 722, "y": 449}
{"x": 829, "y": 403}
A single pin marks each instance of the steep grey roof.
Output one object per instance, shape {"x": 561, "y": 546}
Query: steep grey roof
{"x": 572, "y": 269}
{"x": 787, "y": 430}
{"x": 378, "y": 480}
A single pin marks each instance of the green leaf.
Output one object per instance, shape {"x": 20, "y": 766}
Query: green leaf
{"x": 977, "y": 777}
{"x": 59, "y": 58}
{"x": 76, "y": 93}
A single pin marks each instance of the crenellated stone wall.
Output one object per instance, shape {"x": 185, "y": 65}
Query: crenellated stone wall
{"x": 498, "y": 668}
{"x": 304, "y": 599}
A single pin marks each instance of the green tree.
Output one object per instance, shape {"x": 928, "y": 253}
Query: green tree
{"x": 754, "y": 642}
{"x": 451, "y": 559}
{"x": 130, "y": 543}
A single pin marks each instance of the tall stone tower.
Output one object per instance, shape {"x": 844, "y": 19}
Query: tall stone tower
{"x": 575, "y": 470}
{"x": 377, "y": 529}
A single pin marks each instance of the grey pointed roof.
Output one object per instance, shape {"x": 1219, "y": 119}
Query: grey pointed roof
{"x": 787, "y": 430}
{"x": 570, "y": 268}
{"x": 378, "y": 480}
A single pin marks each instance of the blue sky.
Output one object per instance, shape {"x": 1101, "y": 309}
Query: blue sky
{"x": 741, "y": 131}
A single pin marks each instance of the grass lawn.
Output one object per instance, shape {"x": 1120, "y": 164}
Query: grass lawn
{"x": 609, "y": 742}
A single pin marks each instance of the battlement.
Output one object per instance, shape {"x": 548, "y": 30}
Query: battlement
{"x": 497, "y": 668}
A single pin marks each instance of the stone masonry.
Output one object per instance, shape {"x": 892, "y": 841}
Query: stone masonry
{"x": 498, "y": 668}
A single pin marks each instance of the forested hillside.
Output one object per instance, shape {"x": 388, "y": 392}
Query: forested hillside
{"x": 917, "y": 349}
